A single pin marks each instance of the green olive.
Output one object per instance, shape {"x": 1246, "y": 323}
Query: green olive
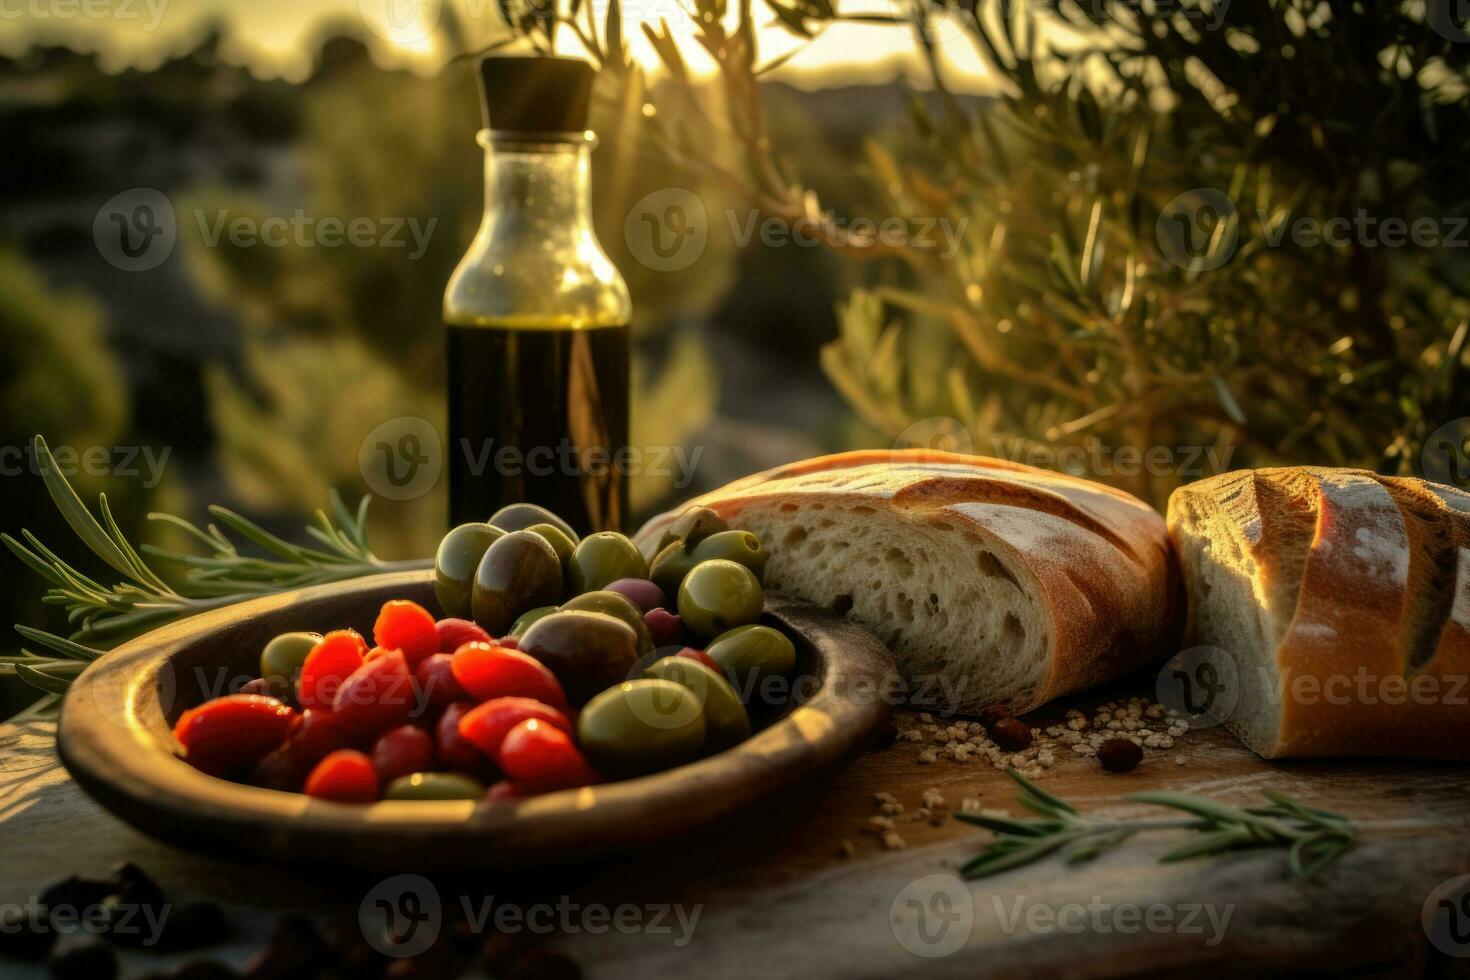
{"x": 749, "y": 654}
{"x": 725, "y": 720}
{"x": 692, "y": 527}
{"x": 434, "y": 786}
{"x": 459, "y": 555}
{"x": 519, "y": 572}
{"x": 619, "y": 607}
{"x": 530, "y": 616}
{"x": 563, "y": 545}
{"x": 670, "y": 566}
{"x": 641, "y": 726}
{"x": 587, "y": 651}
{"x": 719, "y": 595}
{"x": 741, "y": 547}
{"x": 518, "y": 517}
{"x": 602, "y": 558}
{"x": 284, "y": 655}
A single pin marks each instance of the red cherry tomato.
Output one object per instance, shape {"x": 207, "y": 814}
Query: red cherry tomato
{"x": 455, "y": 751}
{"x": 699, "y": 656}
{"x": 539, "y": 757}
{"x": 509, "y": 642}
{"x": 455, "y": 633}
{"x": 487, "y": 724}
{"x": 233, "y": 732}
{"x": 376, "y": 696}
{"x": 402, "y": 751}
{"x": 407, "y": 626}
{"x": 338, "y": 654}
{"x": 288, "y": 764}
{"x": 345, "y": 776}
{"x": 437, "y": 684}
{"x": 488, "y": 671}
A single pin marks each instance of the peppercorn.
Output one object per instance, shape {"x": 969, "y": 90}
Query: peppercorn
{"x": 994, "y": 713}
{"x": 1011, "y": 734}
{"x": 1119, "y": 755}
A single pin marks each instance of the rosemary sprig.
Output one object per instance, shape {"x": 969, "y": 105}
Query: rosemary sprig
{"x": 104, "y": 616}
{"x": 1313, "y": 838}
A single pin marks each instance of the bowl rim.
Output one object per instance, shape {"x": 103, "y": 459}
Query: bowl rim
{"x": 113, "y": 737}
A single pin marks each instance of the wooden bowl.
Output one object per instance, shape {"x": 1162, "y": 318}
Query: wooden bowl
{"x": 115, "y": 738}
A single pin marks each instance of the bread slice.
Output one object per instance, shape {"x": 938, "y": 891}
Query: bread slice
{"x": 991, "y": 582}
{"x": 1341, "y": 602}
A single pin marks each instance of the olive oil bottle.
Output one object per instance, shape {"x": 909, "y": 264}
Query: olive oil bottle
{"x": 537, "y": 315}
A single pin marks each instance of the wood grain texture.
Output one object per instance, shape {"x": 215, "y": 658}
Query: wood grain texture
{"x": 774, "y": 898}
{"x": 114, "y": 737}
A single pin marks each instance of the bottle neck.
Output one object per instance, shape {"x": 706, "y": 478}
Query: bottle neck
{"x": 541, "y": 186}
{"x": 536, "y": 258}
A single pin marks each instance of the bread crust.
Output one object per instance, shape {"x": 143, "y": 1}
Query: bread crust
{"x": 1099, "y": 559}
{"x": 1362, "y": 653}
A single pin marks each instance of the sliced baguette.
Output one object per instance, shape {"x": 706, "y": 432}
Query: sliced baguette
{"x": 991, "y": 582}
{"x": 1332, "y": 593}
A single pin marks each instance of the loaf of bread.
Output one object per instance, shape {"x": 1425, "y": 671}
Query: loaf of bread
{"x": 1339, "y": 604}
{"x": 990, "y": 581}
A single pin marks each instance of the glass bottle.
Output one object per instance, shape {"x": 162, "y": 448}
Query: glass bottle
{"x": 537, "y": 315}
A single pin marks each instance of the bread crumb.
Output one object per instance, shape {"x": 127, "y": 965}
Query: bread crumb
{"x": 893, "y": 841}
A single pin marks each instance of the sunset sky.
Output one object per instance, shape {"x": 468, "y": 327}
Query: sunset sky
{"x": 272, "y": 36}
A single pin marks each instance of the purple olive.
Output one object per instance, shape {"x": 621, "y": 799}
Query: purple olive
{"x": 640, "y": 591}
{"x": 667, "y": 628}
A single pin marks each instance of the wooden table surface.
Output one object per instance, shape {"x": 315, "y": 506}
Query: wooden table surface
{"x": 771, "y": 894}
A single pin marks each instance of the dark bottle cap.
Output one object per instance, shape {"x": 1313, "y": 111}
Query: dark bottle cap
{"x": 535, "y": 94}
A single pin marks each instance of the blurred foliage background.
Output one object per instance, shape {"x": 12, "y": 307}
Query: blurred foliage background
{"x": 1096, "y": 296}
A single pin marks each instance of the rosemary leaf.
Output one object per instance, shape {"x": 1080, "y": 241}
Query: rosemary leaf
{"x": 1312, "y": 838}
